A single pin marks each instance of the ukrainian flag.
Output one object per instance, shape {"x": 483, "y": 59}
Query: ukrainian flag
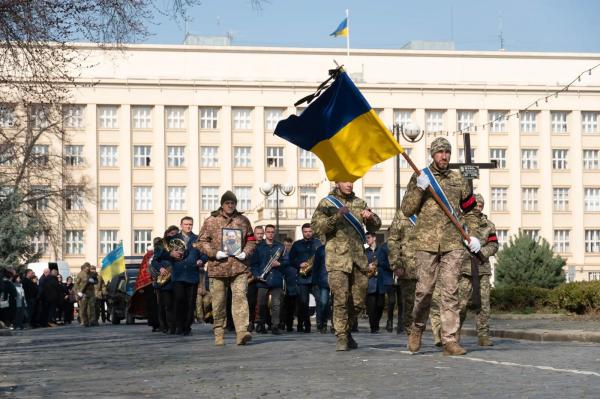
{"x": 342, "y": 29}
{"x": 342, "y": 129}
{"x": 113, "y": 263}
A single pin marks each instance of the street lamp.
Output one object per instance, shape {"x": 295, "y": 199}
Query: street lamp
{"x": 412, "y": 133}
{"x": 267, "y": 189}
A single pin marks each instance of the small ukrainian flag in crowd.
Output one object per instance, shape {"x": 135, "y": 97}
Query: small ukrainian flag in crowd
{"x": 342, "y": 29}
{"x": 113, "y": 263}
{"x": 342, "y": 129}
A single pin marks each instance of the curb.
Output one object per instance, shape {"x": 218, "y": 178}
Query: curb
{"x": 541, "y": 335}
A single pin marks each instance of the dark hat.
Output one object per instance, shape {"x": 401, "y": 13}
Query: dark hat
{"x": 228, "y": 196}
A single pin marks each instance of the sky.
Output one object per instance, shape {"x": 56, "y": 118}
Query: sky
{"x": 527, "y": 25}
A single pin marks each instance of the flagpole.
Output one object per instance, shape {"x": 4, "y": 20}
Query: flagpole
{"x": 348, "y": 35}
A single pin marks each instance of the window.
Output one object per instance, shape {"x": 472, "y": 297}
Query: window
{"x": 109, "y": 198}
{"x": 373, "y": 197}
{"x": 534, "y": 234}
{"x": 107, "y": 117}
{"x": 560, "y": 199}
{"x": 39, "y": 243}
{"x": 74, "y": 242}
{"x": 176, "y": 198}
{"x": 272, "y": 117}
{"x": 434, "y": 121}
{"x": 175, "y": 156}
{"x": 591, "y": 159}
{"x": 39, "y": 116}
{"x": 402, "y": 117}
{"x": 74, "y": 155}
{"x": 589, "y": 122}
{"x": 559, "y": 159}
{"x": 210, "y": 198}
{"x": 39, "y": 197}
{"x": 403, "y": 163}
{"x": 499, "y": 155}
{"x": 499, "y": 199}
{"x": 175, "y": 117}
{"x": 591, "y": 199}
{"x": 592, "y": 240}
{"x": 242, "y": 157}
{"x": 274, "y": 157}
{"x": 142, "y": 117}
{"x": 497, "y": 120}
{"x": 109, "y": 156}
{"x": 308, "y": 197}
{"x": 465, "y": 120}
{"x": 7, "y": 116}
{"x": 244, "y": 197}
{"x": 561, "y": 241}
{"x": 209, "y": 156}
{"x": 209, "y": 117}
{"x": 142, "y": 198}
{"x": 242, "y": 118}
{"x": 142, "y": 239}
{"x": 74, "y": 199}
{"x": 7, "y": 154}
{"x": 40, "y": 154}
{"x": 530, "y": 199}
{"x": 308, "y": 160}
{"x": 529, "y": 159}
{"x": 528, "y": 122}
{"x": 593, "y": 276}
{"x": 108, "y": 241}
{"x": 502, "y": 235}
{"x": 272, "y": 201}
{"x": 142, "y": 155}
{"x": 461, "y": 155}
{"x": 73, "y": 116}
{"x": 559, "y": 121}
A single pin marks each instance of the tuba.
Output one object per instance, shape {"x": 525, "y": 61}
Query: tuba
{"x": 172, "y": 244}
{"x": 269, "y": 265}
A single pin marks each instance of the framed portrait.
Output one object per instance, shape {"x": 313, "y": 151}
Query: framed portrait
{"x": 231, "y": 241}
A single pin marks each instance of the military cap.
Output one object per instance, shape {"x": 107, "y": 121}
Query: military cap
{"x": 440, "y": 144}
{"x": 479, "y": 199}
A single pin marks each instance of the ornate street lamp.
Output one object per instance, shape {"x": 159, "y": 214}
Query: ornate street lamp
{"x": 411, "y": 132}
{"x": 267, "y": 189}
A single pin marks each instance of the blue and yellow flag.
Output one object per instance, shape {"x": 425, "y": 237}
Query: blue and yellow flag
{"x": 342, "y": 129}
{"x": 113, "y": 263}
{"x": 342, "y": 29}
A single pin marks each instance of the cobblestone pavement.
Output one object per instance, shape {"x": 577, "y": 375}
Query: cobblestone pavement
{"x": 132, "y": 362}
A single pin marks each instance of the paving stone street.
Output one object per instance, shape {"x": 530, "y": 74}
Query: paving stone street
{"x": 129, "y": 361}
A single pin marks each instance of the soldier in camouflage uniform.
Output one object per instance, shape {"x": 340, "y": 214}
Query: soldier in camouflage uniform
{"x": 401, "y": 244}
{"x": 86, "y": 294}
{"x": 346, "y": 262}
{"x": 228, "y": 271}
{"x": 439, "y": 246}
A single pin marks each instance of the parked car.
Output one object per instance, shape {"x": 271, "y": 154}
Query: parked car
{"x": 120, "y": 289}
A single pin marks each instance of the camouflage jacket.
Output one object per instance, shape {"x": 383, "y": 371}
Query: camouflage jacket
{"x": 486, "y": 232}
{"x": 83, "y": 285}
{"x": 344, "y": 246}
{"x": 434, "y": 230}
{"x": 210, "y": 241}
{"x": 100, "y": 288}
{"x": 401, "y": 244}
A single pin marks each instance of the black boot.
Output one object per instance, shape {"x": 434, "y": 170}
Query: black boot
{"x": 351, "y": 342}
{"x": 389, "y": 326}
{"x": 251, "y": 326}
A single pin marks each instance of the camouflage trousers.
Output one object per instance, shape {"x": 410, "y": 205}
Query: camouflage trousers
{"x": 441, "y": 270}
{"x": 203, "y": 306}
{"x": 349, "y": 291}
{"x": 407, "y": 288}
{"x": 87, "y": 310}
{"x": 239, "y": 305}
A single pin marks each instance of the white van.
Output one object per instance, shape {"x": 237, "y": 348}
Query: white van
{"x": 38, "y": 268}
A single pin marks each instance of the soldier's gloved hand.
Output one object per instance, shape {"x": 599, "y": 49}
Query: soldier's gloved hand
{"x": 423, "y": 181}
{"x": 80, "y": 294}
{"x": 220, "y": 255}
{"x": 474, "y": 245}
{"x": 241, "y": 256}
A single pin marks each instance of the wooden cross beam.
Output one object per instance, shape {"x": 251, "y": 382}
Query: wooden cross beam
{"x": 470, "y": 169}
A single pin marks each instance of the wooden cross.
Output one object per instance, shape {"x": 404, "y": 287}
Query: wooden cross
{"x": 470, "y": 169}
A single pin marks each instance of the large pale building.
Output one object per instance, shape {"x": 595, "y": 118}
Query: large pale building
{"x": 165, "y": 130}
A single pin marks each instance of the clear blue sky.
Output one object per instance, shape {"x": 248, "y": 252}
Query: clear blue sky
{"x": 528, "y": 25}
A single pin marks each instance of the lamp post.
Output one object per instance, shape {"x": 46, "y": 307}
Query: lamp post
{"x": 412, "y": 133}
{"x": 267, "y": 189}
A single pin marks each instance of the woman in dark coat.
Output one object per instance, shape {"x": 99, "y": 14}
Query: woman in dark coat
{"x": 70, "y": 297}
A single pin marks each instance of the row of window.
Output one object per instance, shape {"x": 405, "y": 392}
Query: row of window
{"x": 529, "y": 198}
{"x": 242, "y": 118}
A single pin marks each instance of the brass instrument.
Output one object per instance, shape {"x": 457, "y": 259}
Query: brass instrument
{"x": 269, "y": 265}
{"x": 372, "y": 272}
{"x": 306, "y": 270}
{"x": 172, "y": 244}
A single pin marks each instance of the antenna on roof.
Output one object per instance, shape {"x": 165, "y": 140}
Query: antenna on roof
{"x": 500, "y": 35}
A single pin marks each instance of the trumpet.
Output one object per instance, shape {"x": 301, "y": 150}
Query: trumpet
{"x": 269, "y": 265}
{"x": 305, "y": 270}
{"x": 372, "y": 272}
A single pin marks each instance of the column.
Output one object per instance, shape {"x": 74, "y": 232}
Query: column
{"x": 90, "y": 153}
{"x": 545, "y": 166}
{"x": 514, "y": 167}
{"x": 192, "y": 155}
{"x": 160, "y": 170}
{"x": 225, "y": 149}
{"x": 125, "y": 188}
{"x": 482, "y": 155}
{"x": 577, "y": 237}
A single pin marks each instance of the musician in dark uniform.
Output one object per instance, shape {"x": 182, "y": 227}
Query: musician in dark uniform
{"x": 268, "y": 274}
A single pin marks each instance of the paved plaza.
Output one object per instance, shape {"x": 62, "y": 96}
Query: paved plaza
{"x": 132, "y": 362}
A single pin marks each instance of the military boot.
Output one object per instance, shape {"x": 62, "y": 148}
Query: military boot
{"x": 219, "y": 340}
{"x": 485, "y": 341}
{"x": 243, "y": 338}
{"x": 457, "y": 336}
{"x": 389, "y": 326}
{"x": 414, "y": 339}
{"x": 453, "y": 349}
{"x": 351, "y": 342}
{"x": 341, "y": 343}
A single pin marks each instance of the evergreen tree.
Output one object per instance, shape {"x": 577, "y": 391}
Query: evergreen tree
{"x": 527, "y": 262}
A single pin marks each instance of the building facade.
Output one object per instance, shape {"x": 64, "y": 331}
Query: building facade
{"x": 163, "y": 131}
